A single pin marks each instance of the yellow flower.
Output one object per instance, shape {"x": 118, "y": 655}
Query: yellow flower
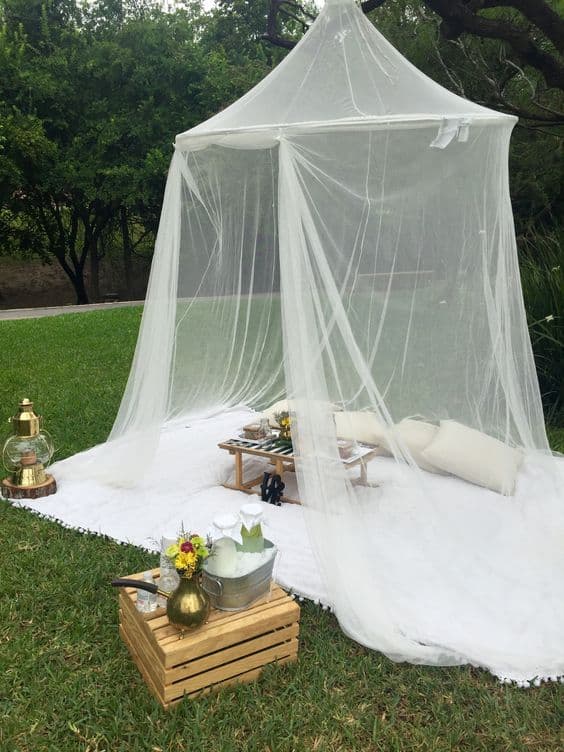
{"x": 186, "y": 560}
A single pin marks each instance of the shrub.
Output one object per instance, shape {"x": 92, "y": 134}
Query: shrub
{"x": 542, "y": 276}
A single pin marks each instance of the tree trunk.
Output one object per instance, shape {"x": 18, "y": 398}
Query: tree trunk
{"x": 76, "y": 277}
{"x": 127, "y": 253}
{"x": 94, "y": 271}
{"x": 80, "y": 289}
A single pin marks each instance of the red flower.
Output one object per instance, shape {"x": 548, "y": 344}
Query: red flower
{"x": 186, "y": 547}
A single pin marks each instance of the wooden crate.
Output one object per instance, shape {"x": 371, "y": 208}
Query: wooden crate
{"x": 230, "y": 648}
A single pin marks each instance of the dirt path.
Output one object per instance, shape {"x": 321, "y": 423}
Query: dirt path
{"x": 36, "y": 313}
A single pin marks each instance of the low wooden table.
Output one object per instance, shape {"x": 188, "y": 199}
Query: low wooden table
{"x": 230, "y": 648}
{"x": 283, "y": 461}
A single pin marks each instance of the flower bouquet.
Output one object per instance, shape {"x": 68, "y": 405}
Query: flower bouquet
{"x": 188, "y": 554}
{"x": 284, "y": 422}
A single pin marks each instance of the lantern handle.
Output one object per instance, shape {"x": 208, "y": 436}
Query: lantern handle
{"x": 50, "y": 442}
{"x": 10, "y": 466}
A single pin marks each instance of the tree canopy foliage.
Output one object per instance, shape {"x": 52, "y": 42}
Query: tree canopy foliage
{"x": 90, "y": 99}
{"x": 92, "y": 94}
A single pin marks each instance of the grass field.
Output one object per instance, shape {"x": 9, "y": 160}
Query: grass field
{"x": 67, "y": 683}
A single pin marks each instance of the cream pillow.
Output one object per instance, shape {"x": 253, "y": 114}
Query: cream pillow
{"x": 474, "y": 456}
{"x": 278, "y": 407}
{"x": 416, "y": 435}
{"x": 359, "y": 426}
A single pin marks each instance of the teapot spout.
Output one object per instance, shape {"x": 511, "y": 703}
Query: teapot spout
{"x": 141, "y": 585}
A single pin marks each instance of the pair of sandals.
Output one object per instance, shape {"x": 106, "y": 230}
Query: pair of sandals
{"x": 272, "y": 488}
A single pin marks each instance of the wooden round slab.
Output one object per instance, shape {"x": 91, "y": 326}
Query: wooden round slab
{"x": 11, "y": 491}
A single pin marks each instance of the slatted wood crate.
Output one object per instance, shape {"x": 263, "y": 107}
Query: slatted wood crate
{"x": 230, "y": 648}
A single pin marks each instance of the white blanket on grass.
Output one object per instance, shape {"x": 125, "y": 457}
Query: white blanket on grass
{"x": 520, "y": 598}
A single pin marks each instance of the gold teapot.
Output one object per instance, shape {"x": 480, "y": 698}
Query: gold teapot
{"x": 187, "y": 606}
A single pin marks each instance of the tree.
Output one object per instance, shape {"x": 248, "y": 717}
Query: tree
{"x": 519, "y": 30}
{"x": 33, "y": 196}
{"x": 89, "y": 112}
{"x": 91, "y": 99}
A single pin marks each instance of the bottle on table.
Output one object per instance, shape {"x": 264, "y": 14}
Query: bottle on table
{"x": 223, "y": 561}
{"x": 265, "y": 430}
{"x": 169, "y": 578}
{"x": 146, "y": 602}
{"x": 251, "y": 529}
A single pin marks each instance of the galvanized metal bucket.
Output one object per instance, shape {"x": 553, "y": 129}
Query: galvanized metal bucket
{"x": 238, "y": 593}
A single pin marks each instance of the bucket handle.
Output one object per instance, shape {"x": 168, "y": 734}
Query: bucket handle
{"x": 219, "y": 584}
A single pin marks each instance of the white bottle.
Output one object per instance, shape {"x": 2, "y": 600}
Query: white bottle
{"x": 265, "y": 429}
{"x": 223, "y": 561}
{"x": 251, "y": 529}
{"x": 169, "y": 579}
{"x": 146, "y": 602}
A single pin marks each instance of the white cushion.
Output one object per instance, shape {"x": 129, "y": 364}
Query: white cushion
{"x": 278, "y": 407}
{"x": 359, "y": 426}
{"x": 474, "y": 456}
{"x": 283, "y": 406}
{"x": 415, "y": 435}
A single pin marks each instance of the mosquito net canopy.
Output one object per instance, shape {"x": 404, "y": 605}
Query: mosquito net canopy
{"x": 342, "y": 236}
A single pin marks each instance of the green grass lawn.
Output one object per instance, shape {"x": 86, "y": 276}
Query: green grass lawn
{"x": 67, "y": 682}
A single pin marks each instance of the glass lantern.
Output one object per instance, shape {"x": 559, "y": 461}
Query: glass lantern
{"x": 25, "y": 455}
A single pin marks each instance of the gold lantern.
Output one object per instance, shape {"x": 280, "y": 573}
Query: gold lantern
{"x": 26, "y": 454}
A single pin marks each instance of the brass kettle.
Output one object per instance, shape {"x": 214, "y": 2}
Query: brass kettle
{"x": 187, "y": 606}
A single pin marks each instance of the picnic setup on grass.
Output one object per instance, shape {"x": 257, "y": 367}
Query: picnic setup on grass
{"x": 334, "y": 332}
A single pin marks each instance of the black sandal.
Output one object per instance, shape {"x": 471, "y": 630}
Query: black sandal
{"x": 276, "y": 488}
{"x": 265, "y": 491}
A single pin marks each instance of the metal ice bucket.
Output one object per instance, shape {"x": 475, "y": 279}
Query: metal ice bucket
{"x": 238, "y": 593}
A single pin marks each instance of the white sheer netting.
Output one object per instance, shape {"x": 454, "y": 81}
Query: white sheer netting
{"x": 343, "y": 236}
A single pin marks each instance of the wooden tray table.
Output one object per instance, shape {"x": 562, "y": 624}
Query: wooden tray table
{"x": 283, "y": 461}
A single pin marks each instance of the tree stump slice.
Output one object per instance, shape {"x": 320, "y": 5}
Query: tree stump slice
{"x": 10, "y": 491}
